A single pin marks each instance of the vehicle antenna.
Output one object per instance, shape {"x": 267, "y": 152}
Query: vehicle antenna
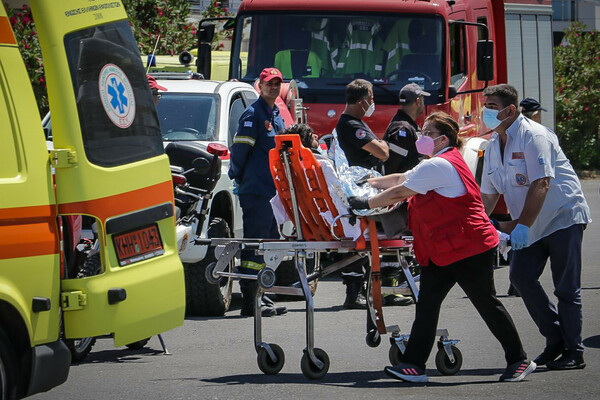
{"x": 152, "y": 56}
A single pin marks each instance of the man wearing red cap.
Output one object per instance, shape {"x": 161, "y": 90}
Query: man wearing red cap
{"x": 249, "y": 167}
{"x": 155, "y": 87}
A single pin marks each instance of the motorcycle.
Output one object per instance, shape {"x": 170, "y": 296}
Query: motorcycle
{"x": 196, "y": 169}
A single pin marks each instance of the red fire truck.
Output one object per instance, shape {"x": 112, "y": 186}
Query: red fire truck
{"x": 452, "y": 48}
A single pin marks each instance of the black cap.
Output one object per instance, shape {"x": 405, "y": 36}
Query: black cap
{"x": 410, "y": 92}
{"x": 528, "y": 105}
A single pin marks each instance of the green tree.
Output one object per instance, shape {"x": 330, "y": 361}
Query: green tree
{"x": 22, "y": 24}
{"x": 164, "y": 21}
{"x": 577, "y": 80}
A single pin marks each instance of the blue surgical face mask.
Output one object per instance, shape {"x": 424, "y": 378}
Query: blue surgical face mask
{"x": 490, "y": 117}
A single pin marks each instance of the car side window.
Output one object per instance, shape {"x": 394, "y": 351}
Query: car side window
{"x": 235, "y": 112}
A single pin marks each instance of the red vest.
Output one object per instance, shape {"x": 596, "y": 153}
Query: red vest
{"x": 447, "y": 230}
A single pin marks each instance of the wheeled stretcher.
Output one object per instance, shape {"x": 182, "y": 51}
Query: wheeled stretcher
{"x": 321, "y": 228}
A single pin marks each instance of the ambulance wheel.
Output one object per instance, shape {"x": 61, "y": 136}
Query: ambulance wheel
{"x": 202, "y": 297}
{"x": 309, "y": 369}
{"x": 287, "y": 275}
{"x": 373, "y": 338}
{"x": 266, "y": 364}
{"x": 443, "y": 363}
{"x": 138, "y": 345}
{"x": 394, "y": 355}
{"x": 9, "y": 371}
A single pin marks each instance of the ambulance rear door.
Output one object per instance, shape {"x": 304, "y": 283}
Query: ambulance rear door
{"x": 110, "y": 165}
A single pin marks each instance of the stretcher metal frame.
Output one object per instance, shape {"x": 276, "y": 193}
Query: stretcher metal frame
{"x": 287, "y": 169}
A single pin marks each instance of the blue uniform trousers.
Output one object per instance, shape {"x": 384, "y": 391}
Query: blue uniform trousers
{"x": 258, "y": 223}
{"x": 560, "y": 324}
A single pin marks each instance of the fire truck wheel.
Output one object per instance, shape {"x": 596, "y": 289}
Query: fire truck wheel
{"x": 8, "y": 368}
{"x": 266, "y": 364}
{"x": 202, "y": 297}
{"x": 286, "y": 275}
{"x": 309, "y": 369}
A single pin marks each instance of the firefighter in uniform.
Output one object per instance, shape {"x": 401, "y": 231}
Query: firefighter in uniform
{"x": 362, "y": 148}
{"x": 249, "y": 168}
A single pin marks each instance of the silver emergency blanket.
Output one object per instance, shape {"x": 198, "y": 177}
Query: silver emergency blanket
{"x": 348, "y": 175}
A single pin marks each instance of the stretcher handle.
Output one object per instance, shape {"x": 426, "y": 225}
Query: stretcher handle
{"x": 334, "y": 223}
{"x": 288, "y": 175}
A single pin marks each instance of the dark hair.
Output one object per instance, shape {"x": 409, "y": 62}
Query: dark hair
{"x": 506, "y": 93}
{"x": 304, "y": 131}
{"x": 356, "y": 90}
{"x": 447, "y": 127}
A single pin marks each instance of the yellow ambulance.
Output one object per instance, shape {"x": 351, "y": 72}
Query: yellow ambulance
{"x": 108, "y": 164}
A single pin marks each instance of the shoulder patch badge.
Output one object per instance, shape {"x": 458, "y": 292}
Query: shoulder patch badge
{"x": 541, "y": 161}
{"x": 402, "y": 133}
{"x": 248, "y": 124}
{"x": 361, "y": 133}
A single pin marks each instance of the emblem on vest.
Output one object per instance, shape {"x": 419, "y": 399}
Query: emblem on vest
{"x": 361, "y": 134}
{"x": 521, "y": 179}
{"x": 268, "y": 125}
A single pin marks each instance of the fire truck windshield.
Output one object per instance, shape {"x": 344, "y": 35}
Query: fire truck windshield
{"x": 324, "y": 52}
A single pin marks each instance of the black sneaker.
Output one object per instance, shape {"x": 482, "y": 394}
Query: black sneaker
{"x": 569, "y": 360}
{"x": 407, "y": 373}
{"x": 518, "y": 371}
{"x": 550, "y": 353}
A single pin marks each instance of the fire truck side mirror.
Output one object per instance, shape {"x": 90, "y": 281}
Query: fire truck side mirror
{"x": 206, "y": 33}
{"x": 485, "y": 60}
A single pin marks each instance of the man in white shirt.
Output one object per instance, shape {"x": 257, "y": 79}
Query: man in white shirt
{"x": 526, "y": 164}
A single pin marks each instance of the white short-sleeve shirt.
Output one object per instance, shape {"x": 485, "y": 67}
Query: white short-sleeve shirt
{"x": 532, "y": 152}
{"x": 435, "y": 173}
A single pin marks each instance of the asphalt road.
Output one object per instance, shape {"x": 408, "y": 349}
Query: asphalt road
{"x": 214, "y": 358}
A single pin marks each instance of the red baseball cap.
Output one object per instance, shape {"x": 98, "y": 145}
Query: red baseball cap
{"x": 270, "y": 73}
{"x": 153, "y": 85}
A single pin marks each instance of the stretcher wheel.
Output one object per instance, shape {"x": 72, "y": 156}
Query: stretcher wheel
{"x": 373, "y": 338}
{"x": 443, "y": 363}
{"x": 266, "y": 364}
{"x": 395, "y": 355}
{"x": 210, "y": 275}
{"x": 310, "y": 370}
{"x": 266, "y": 277}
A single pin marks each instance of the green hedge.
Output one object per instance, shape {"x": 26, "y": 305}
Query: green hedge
{"x": 577, "y": 80}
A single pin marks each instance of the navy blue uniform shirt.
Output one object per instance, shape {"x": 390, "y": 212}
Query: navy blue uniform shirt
{"x": 249, "y": 162}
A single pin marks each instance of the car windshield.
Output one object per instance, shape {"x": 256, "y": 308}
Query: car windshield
{"x": 324, "y": 52}
{"x": 188, "y": 116}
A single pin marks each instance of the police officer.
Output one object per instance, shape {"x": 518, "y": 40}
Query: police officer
{"x": 401, "y": 133}
{"x": 532, "y": 109}
{"x": 362, "y": 148}
{"x": 249, "y": 167}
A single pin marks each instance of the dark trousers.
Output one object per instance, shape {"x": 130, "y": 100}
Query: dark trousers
{"x": 258, "y": 222}
{"x": 563, "y": 247}
{"x": 475, "y": 276}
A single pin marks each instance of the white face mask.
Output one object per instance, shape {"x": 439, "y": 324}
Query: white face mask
{"x": 370, "y": 110}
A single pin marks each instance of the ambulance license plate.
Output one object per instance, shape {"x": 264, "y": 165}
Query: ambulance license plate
{"x": 138, "y": 245}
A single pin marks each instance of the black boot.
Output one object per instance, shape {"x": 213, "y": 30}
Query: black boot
{"x": 390, "y": 277}
{"x": 355, "y": 298}
{"x": 268, "y": 308}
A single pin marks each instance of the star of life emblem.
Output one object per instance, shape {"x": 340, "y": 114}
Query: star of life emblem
{"x": 116, "y": 95}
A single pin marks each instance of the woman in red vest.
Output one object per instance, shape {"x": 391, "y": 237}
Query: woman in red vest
{"x": 454, "y": 243}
